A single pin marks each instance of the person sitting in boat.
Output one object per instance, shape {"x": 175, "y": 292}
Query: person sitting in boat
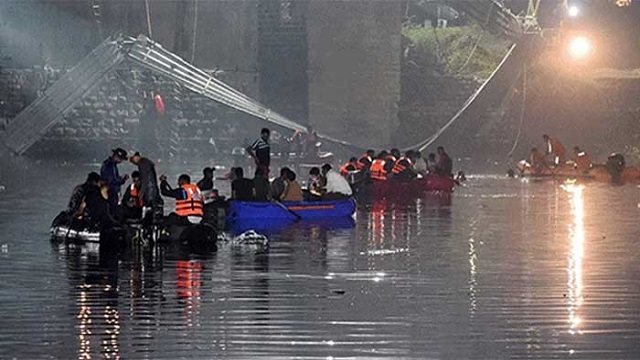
{"x": 581, "y": 160}
{"x": 261, "y": 186}
{"x": 75, "y": 210}
{"x": 337, "y": 187}
{"x": 131, "y": 200}
{"x": 377, "y": 171}
{"x": 189, "y": 201}
{"x": 432, "y": 164}
{"x": 315, "y": 185}
{"x": 98, "y": 209}
{"x": 403, "y": 169}
{"x": 445, "y": 164}
{"x": 555, "y": 149}
{"x": 241, "y": 187}
{"x": 391, "y": 159}
{"x": 206, "y": 185}
{"x": 292, "y": 191}
{"x": 421, "y": 164}
{"x": 349, "y": 167}
{"x": 538, "y": 161}
{"x": 279, "y": 184}
{"x": 364, "y": 162}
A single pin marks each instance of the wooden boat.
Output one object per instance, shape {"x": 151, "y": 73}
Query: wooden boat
{"x": 406, "y": 189}
{"x": 598, "y": 173}
{"x": 240, "y": 210}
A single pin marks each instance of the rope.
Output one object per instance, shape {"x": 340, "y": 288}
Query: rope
{"x": 522, "y": 108}
{"x": 195, "y": 30}
{"x": 146, "y": 4}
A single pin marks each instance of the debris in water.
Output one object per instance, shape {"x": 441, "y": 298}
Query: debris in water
{"x": 384, "y": 251}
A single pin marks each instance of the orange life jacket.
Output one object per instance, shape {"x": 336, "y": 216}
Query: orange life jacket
{"x": 193, "y": 205}
{"x": 344, "y": 170}
{"x": 582, "y": 160}
{"x": 134, "y": 193}
{"x": 363, "y": 162}
{"x": 400, "y": 167}
{"x": 377, "y": 171}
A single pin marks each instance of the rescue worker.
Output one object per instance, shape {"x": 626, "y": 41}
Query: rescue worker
{"x": 131, "y": 201}
{"x": 364, "y": 162}
{"x": 538, "y": 161}
{"x": 75, "y": 211}
{"x": 445, "y": 164}
{"x": 241, "y": 187}
{"x": 554, "y": 148}
{"x": 390, "y": 160}
{"x": 261, "y": 187}
{"x": 260, "y": 151}
{"x": 189, "y": 201}
{"x": 348, "y": 167}
{"x": 206, "y": 185}
{"x": 377, "y": 170}
{"x": 581, "y": 160}
{"x": 109, "y": 173}
{"x": 403, "y": 169}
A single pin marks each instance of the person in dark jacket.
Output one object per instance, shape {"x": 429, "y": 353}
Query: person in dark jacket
{"x": 79, "y": 192}
{"x": 149, "y": 192}
{"x": 241, "y": 187}
{"x": 109, "y": 173}
{"x": 98, "y": 208}
{"x": 261, "y": 186}
{"x": 206, "y": 183}
{"x": 445, "y": 164}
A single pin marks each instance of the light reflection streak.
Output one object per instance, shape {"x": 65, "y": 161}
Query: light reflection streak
{"x": 574, "y": 266}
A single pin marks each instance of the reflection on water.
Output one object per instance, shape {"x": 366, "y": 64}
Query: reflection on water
{"x": 574, "y": 268}
{"x": 498, "y": 271}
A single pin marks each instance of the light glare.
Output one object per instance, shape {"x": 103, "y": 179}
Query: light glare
{"x": 579, "y": 47}
{"x": 574, "y": 11}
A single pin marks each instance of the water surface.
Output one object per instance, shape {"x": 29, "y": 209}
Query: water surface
{"x": 504, "y": 269}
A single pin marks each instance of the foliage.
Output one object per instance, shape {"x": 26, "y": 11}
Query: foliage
{"x": 466, "y": 51}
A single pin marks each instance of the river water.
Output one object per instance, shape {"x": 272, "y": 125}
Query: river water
{"x": 505, "y": 269}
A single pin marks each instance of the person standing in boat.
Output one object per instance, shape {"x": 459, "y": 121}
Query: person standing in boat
{"x": 337, "y": 187}
{"x": 554, "y": 148}
{"x": 260, "y": 151}
{"x": 189, "y": 201}
{"x": 149, "y": 192}
{"x": 432, "y": 164}
{"x": 581, "y": 160}
{"x": 109, "y": 173}
{"x": 206, "y": 185}
{"x": 445, "y": 164}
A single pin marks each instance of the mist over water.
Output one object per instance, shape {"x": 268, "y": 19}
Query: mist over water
{"x": 504, "y": 269}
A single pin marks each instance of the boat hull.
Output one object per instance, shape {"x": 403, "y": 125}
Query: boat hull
{"x": 242, "y": 210}
{"x": 599, "y": 173}
{"x": 408, "y": 189}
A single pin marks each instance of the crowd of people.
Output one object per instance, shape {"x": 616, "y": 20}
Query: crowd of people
{"x": 555, "y": 155}
{"x": 100, "y": 203}
{"x": 388, "y": 165}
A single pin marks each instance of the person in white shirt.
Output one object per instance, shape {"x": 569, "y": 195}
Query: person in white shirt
{"x": 337, "y": 187}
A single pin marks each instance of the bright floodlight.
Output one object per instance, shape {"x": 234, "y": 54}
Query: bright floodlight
{"x": 579, "y": 47}
{"x": 574, "y": 11}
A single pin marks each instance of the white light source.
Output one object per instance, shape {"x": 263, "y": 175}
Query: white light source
{"x": 579, "y": 47}
{"x": 574, "y": 11}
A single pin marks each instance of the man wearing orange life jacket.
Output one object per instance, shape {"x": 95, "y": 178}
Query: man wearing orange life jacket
{"x": 390, "y": 160}
{"x": 554, "y": 148}
{"x": 348, "y": 167}
{"x": 403, "y": 169}
{"x": 189, "y": 201}
{"x": 132, "y": 200}
{"x": 377, "y": 170}
{"x": 364, "y": 162}
{"x": 581, "y": 160}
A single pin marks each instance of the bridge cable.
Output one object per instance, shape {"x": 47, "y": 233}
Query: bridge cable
{"x": 522, "y": 108}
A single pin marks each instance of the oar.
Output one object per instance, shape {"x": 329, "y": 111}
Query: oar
{"x": 292, "y": 213}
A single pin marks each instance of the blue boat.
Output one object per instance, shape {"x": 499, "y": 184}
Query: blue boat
{"x": 242, "y": 210}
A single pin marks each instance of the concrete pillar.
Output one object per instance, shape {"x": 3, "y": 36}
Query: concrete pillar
{"x": 354, "y": 69}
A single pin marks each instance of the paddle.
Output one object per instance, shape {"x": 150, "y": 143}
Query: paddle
{"x": 292, "y": 213}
